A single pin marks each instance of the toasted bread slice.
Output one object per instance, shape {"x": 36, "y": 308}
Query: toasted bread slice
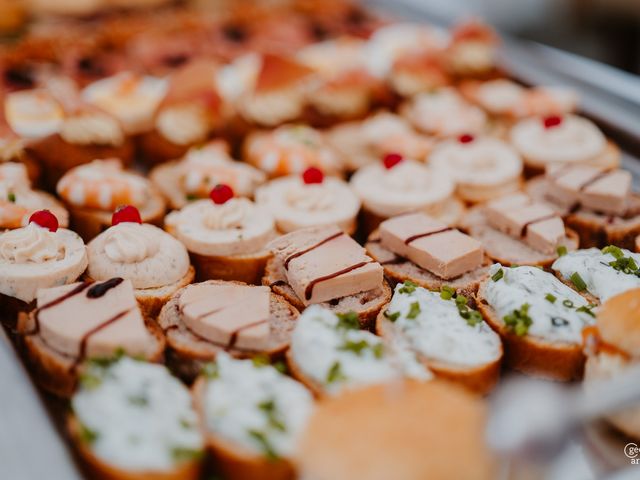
{"x": 89, "y": 223}
{"x": 594, "y": 229}
{"x": 58, "y": 373}
{"x": 365, "y": 304}
{"x": 399, "y": 270}
{"x": 188, "y": 352}
{"x": 151, "y": 300}
{"x": 534, "y": 356}
{"x": 480, "y": 379}
{"x": 101, "y": 470}
{"x": 234, "y": 462}
{"x": 508, "y": 250}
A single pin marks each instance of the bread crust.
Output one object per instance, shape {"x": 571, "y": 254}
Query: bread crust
{"x": 535, "y": 357}
{"x": 236, "y": 463}
{"x": 466, "y": 284}
{"x": 365, "y": 304}
{"x": 151, "y": 300}
{"x": 187, "y": 353}
{"x": 101, "y": 470}
{"x": 56, "y": 156}
{"x": 55, "y": 372}
{"x": 479, "y": 379}
{"x": 89, "y": 223}
{"x": 507, "y": 250}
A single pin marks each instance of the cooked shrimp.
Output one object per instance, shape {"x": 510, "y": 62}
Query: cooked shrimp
{"x": 103, "y": 185}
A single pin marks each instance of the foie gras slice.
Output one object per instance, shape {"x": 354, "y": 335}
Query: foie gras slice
{"x": 519, "y": 217}
{"x": 232, "y": 314}
{"x": 591, "y": 187}
{"x": 431, "y": 244}
{"x": 324, "y": 263}
{"x": 93, "y": 320}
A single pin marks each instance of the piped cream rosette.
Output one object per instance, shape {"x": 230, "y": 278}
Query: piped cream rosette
{"x": 236, "y": 227}
{"x": 562, "y": 140}
{"x": 408, "y": 186}
{"x": 483, "y": 168}
{"x": 296, "y": 204}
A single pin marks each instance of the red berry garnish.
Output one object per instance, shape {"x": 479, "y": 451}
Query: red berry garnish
{"x": 552, "y": 121}
{"x": 221, "y": 193}
{"x": 390, "y": 160}
{"x": 45, "y": 219}
{"x": 126, "y": 213}
{"x": 466, "y": 138}
{"x": 312, "y": 175}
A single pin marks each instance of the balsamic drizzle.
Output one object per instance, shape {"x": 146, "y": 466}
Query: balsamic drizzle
{"x": 308, "y": 292}
{"x": 413, "y": 238}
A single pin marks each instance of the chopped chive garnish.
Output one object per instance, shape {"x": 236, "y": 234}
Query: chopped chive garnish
{"x": 461, "y": 300}
{"x": 355, "y": 347}
{"x": 567, "y": 303}
{"x": 561, "y": 250}
{"x": 578, "y": 282}
{"x": 414, "y": 310}
{"x": 586, "y": 309}
{"x": 348, "y": 320}
{"x": 498, "y": 275}
{"x": 260, "y": 360}
{"x": 614, "y": 251}
{"x": 519, "y": 320}
{"x": 335, "y": 373}
{"x": 87, "y": 435}
{"x": 378, "y": 350}
{"x": 211, "y": 371}
{"x": 11, "y": 197}
{"x": 447, "y": 293}
{"x": 408, "y": 287}
{"x": 391, "y": 316}
{"x": 550, "y": 298}
{"x": 266, "y": 446}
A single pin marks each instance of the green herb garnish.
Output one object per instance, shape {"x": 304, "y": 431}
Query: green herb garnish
{"x": 270, "y": 410}
{"x": 391, "y": 316}
{"x": 519, "y": 320}
{"x": 335, "y": 373}
{"x": 138, "y": 400}
{"x": 191, "y": 196}
{"x": 260, "y": 360}
{"x": 498, "y": 275}
{"x": 614, "y": 251}
{"x": 211, "y": 371}
{"x": 87, "y": 435}
{"x": 378, "y": 350}
{"x": 561, "y": 250}
{"x": 408, "y": 287}
{"x": 11, "y": 197}
{"x": 567, "y": 303}
{"x": 182, "y": 454}
{"x": 414, "y": 310}
{"x": 89, "y": 381}
{"x": 550, "y": 298}
{"x": 587, "y": 309}
{"x": 280, "y": 366}
{"x": 621, "y": 263}
{"x": 348, "y": 321}
{"x": 266, "y": 446}
{"x": 355, "y": 347}
{"x": 447, "y": 293}
{"x": 578, "y": 282}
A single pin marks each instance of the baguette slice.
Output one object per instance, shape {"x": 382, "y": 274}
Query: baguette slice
{"x": 100, "y": 470}
{"x": 480, "y": 379}
{"x": 365, "y": 304}
{"x": 507, "y": 250}
{"x": 399, "y": 270}
{"x": 151, "y": 300}
{"x": 236, "y": 463}
{"x": 188, "y": 352}
{"x": 56, "y": 372}
{"x": 594, "y": 229}
{"x": 530, "y": 355}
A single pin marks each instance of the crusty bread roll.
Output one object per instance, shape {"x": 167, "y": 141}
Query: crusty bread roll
{"x": 404, "y": 430}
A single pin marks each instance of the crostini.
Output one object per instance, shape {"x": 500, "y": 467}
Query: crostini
{"x": 132, "y": 420}
{"x": 427, "y": 252}
{"x": 451, "y": 339}
{"x": 84, "y": 320}
{"x": 324, "y": 265}
{"x": 539, "y": 318}
{"x": 515, "y": 230}
{"x": 598, "y": 203}
{"x": 252, "y": 417}
{"x": 329, "y": 354}
{"x": 203, "y": 319}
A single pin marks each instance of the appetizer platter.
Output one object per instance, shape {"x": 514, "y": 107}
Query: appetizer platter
{"x": 237, "y": 242}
